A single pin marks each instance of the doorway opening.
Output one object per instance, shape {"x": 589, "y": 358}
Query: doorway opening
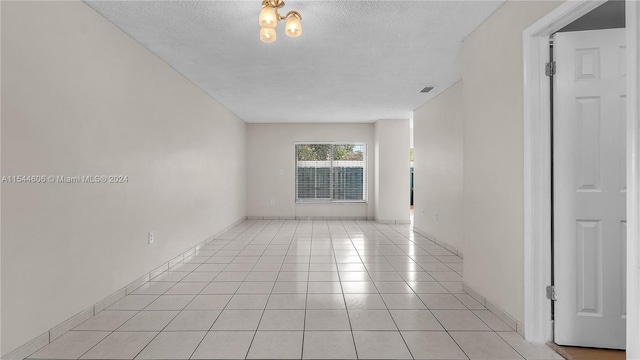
{"x": 411, "y": 155}
{"x": 538, "y": 262}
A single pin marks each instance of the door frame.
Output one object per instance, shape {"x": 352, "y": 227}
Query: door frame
{"x": 537, "y": 170}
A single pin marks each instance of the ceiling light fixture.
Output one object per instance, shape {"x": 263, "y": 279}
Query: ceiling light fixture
{"x": 269, "y": 18}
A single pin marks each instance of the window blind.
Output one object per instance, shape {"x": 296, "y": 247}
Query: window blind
{"x": 331, "y": 172}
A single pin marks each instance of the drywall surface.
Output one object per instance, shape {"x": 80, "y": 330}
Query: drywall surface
{"x": 271, "y": 161}
{"x": 493, "y": 155}
{"x": 81, "y": 98}
{"x": 438, "y": 167}
{"x": 392, "y": 171}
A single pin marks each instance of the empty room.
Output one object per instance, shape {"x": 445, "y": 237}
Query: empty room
{"x": 319, "y": 180}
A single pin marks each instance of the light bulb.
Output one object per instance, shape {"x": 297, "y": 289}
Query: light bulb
{"x": 268, "y": 18}
{"x": 293, "y": 28}
{"x": 267, "y": 35}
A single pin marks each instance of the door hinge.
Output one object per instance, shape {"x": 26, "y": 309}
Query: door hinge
{"x": 551, "y": 293}
{"x": 550, "y": 68}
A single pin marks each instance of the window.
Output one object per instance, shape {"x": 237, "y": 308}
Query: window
{"x": 331, "y": 172}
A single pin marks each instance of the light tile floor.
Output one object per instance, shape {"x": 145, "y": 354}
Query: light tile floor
{"x": 276, "y": 289}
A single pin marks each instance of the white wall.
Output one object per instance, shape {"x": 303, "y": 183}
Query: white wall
{"x": 493, "y": 155}
{"x": 438, "y": 172}
{"x": 392, "y": 171}
{"x": 271, "y": 168}
{"x": 80, "y": 97}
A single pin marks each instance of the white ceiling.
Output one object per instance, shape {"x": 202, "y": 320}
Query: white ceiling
{"x": 356, "y": 61}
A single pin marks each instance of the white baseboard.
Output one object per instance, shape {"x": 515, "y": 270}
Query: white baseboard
{"x": 364, "y": 218}
{"x": 440, "y": 242}
{"x": 28, "y": 348}
{"x": 514, "y": 324}
{"x": 242, "y": 219}
{"x": 62, "y": 328}
{"x": 394, "y": 222}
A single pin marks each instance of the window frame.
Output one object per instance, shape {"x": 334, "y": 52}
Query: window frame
{"x": 330, "y": 199}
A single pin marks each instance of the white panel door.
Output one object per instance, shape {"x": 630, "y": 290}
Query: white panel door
{"x": 590, "y": 188}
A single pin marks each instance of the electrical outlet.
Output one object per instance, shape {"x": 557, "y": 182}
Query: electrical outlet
{"x": 150, "y": 239}
{"x": 272, "y": 202}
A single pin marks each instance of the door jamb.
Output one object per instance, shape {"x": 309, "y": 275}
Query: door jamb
{"x": 537, "y": 174}
{"x": 632, "y": 9}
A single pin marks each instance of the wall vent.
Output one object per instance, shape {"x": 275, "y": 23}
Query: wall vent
{"x": 426, "y": 89}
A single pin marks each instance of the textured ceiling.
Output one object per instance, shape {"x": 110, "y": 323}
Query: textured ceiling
{"x": 356, "y": 61}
